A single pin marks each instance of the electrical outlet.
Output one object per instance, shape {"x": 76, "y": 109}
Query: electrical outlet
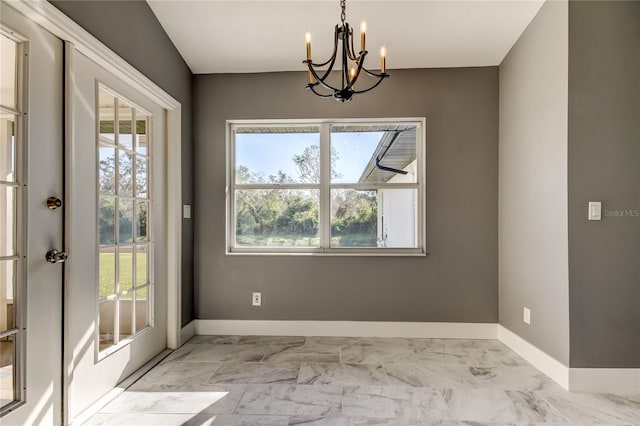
{"x": 257, "y": 299}
{"x": 527, "y": 316}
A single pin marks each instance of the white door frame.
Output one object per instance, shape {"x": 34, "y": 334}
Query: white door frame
{"x": 60, "y": 25}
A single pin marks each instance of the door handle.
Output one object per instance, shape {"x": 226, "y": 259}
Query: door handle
{"x": 55, "y": 256}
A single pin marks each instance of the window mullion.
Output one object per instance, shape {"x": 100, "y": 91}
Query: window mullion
{"x": 325, "y": 186}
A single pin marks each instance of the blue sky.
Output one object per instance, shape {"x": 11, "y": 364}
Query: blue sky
{"x": 268, "y": 153}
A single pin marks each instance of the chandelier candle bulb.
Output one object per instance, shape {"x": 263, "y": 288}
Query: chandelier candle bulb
{"x": 383, "y": 55}
{"x": 363, "y": 36}
{"x": 307, "y": 38}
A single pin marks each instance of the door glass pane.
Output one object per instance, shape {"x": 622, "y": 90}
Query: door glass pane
{"x": 107, "y": 220}
{"x": 125, "y": 118}
{"x": 125, "y": 174}
{"x": 7, "y": 370}
{"x": 142, "y": 175}
{"x": 277, "y": 155}
{"x": 142, "y": 308}
{"x": 107, "y": 170}
{"x": 125, "y": 218}
{"x": 107, "y": 315}
{"x": 8, "y": 71}
{"x": 142, "y": 261}
{"x": 7, "y": 220}
{"x": 142, "y": 134}
{"x": 107, "y": 272}
{"x": 277, "y": 218}
{"x": 125, "y": 268}
{"x": 7, "y": 147}
{"x": 107, "y": 113}
{"x": 125, "y": 315}
{"x": 124, "y": 215}
{"x": 142, "y": 207}
{"x": 373, "y": 153}
{"x": 7, "y": 286}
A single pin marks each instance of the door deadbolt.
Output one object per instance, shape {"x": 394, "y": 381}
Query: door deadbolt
{"x": 55, "y": 256}
{"x": 54, "y": 203}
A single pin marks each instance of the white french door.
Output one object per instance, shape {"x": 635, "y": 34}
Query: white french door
{"x": 31, "y": 171}
{"x": 116, "y": 291}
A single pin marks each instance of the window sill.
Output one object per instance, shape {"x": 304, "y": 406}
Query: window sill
{"x": 333, "y": 252}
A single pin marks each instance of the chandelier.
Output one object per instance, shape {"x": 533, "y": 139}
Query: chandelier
{"x": 352, "y": 64}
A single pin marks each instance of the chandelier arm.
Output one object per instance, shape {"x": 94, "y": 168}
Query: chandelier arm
{"x": 320, "y": 81}
{"x": 333, "y": 56}
{"x": 352, "y": 52}
{"x": 360, "y": 65}
{"x": 373, "y": 74}
{"x": 312, "y": 87}
{"x": 372, "y": 87}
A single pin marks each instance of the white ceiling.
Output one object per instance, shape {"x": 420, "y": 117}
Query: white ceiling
{"x": 260, "y": 36}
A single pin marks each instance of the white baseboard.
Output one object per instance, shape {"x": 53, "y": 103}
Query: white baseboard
{"x": 550, "y": 366}
{"x": 452, "y": 330}
{"x": 612, "y": 380}
{"x": 187, "y": 332}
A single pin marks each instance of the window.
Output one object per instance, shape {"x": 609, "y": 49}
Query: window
{"x": 331, "y": 187}
{"x": 125, "y": 282}
{"x": 12, "y": 235}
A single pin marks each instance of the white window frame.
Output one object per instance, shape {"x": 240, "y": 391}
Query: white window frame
{"x": 325, "y": 186}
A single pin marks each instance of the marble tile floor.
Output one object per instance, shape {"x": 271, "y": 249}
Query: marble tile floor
{"x": 336, "y": 381}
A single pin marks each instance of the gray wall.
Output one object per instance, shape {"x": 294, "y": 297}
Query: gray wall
{"x": 604, "y": 165}
{"x": 131, "y": 30}
{"x": 457, "y": 281}
{"x": 533, "y": 235}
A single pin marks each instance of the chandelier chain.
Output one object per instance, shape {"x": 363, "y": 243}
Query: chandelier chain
{"x": 343, "y": 15}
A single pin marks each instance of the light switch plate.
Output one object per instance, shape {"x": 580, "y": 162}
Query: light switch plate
{"x": 595, "y": 210}
{"x": 186, "y": 211}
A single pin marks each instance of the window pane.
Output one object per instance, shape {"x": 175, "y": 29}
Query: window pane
{"x": 383, "y": 218}
{"x": 107, "y": 106}
{"x": 373, "y": 154}
{"x": 277, "y": 155}
{"x": 7, "y": 147}
{"x": 8, "y": 52}
{"x": 7, "y": 302}
{"x": 142, "y": 207}
{"x": 125, "y": 315}
{"x": 107, "y": 170}
{"x": 107, "y": 220}
{"x": 354, "y": 218}
{"x": 398, "y": 217}
{"x": 125, "y": 218}
{"x": 142, "y": 134}
{"x": 142, "y": 176}
{"x": 125, "y": 173}
{"x": 142, "y": 308}
{"x": 277, "y": 218}
{"x": 106, "y": 318}
{"x": 107, "y": 272}
{"x": 142, "y": 260}
{"x": 125, "y": 118}
{"x": 7, "y": 221}
{"x": 7, "y": 370}
{"x": 125, "y": 268}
